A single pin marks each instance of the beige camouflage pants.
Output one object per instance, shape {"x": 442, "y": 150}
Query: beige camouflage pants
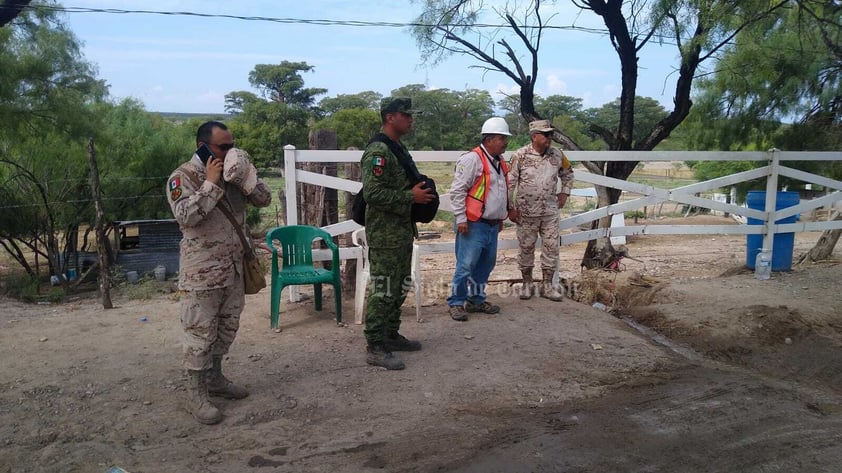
{"x": 209, "y": 320}
{"x": 527, "y": 234}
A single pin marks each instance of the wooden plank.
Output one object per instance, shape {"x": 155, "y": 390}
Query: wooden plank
{"x": 809, "y": 226}
{"x": 644, "y": 156}
{"x": 346, "y": 226}
{"x": 725, "y": 181}
{"x": 806, "y": 206}
{"x": 811, "y": 178}
{"x": 810, "y": 155}
{"x": 307, "y": 177}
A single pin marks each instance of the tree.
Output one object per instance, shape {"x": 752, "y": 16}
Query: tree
{"x": 264, "y": 125}
{"x": 237, "y": 101}
{"x": 282, "y": 83}
{"x": 46, "y": 95}
{"x": 786, "y": 68}
{"x": 447, "y": 119}
{"x": 699, "y": 29}
{"x": 43, "y": 77}
{"x": 353, "y": 126}
{"x": 363, "y": 100}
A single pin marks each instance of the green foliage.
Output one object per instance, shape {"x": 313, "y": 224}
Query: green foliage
{"x": 447, "y": 119}
{"x": 136, "y": 150}
{"x": 22, "y": 286}
{"x": 647, "y": 113}
{"x": 253, "y": 217}
{"x": 368, "y": 100}
{"x": 706, "y": 170}
{"x": 146, "y": 288}
{"x": 44, "y": 81}
{"x": 282, "y": 83}
{"x": 353, "y": 126}
{"x": 55, "y": 295}
{"x": 786, "y": 67}
{"x": 264, "y": 128}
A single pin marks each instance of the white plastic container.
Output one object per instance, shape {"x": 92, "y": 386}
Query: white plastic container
{"x": 160, "y": 273}
{"x": 763, "y": 265}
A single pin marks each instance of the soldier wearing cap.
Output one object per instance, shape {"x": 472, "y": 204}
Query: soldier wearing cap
{"x": 211, "y": 261}
{"x": 533, "y": 204}
{"x": 389, "y": 231}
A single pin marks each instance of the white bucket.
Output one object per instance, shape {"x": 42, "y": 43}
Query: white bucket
{"x": 160, "y": 273}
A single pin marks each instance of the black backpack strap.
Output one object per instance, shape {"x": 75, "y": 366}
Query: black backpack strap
{"x": 403, "y": 156}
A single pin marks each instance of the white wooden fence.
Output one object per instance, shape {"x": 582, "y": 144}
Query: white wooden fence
{"x": 649, "y": 196}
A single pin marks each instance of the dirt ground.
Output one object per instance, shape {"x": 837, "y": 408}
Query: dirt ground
{"x": 723, "y": 373}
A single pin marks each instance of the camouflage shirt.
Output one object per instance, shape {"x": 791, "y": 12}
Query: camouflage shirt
{"x": 211, "y": 254}
{"x": 533, "y": 180}
{"x": 388, "y": 196}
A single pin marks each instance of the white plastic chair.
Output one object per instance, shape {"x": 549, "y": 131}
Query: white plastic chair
{"x": 363, "y": 275}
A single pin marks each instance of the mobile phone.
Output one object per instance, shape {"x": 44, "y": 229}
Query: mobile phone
{"x": 204, "y": 153}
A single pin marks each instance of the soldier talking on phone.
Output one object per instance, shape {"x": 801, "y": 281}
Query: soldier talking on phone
{"x": 211, "y": 259}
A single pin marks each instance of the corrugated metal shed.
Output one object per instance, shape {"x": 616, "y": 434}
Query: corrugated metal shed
{"x": 145, "y": 244}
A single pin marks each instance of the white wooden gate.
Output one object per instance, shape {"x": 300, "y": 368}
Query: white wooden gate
{"x": 649, "y": 196}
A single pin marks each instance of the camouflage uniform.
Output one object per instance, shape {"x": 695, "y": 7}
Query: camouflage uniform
{"x": 211, "y": 259}
{"x": 533, "y": 179}
{"x": 389, "y": 231}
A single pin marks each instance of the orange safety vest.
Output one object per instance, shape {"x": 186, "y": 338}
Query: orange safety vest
{"x": 475, "y": 201}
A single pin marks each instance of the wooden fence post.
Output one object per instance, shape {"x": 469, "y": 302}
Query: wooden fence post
{"x": 104, "y": 276}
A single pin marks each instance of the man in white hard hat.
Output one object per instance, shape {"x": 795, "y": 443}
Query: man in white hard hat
{"x": 480, "y": 205}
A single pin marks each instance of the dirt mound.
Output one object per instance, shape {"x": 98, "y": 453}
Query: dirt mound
{"x": 754, "y": 324}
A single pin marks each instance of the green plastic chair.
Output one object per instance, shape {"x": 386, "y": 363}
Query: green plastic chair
{"x": 296, "y": 247}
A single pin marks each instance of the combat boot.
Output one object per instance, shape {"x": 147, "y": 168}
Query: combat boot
{"x": 378, "y": 355}
{"x": 197, "y": 402}
{"x": 547, "y": 289}
{"x": 397, "y": 342}
{"x": 219, "y": 385}
{"x": 526, "y": 287}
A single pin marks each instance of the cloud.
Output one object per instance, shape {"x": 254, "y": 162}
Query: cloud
{"x": 555, "y": 85}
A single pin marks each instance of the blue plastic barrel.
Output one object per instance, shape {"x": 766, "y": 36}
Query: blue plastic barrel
{"x": 783, "y": 244}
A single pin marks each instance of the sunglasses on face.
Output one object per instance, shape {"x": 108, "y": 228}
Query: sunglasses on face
{"x": 225, "y": 146}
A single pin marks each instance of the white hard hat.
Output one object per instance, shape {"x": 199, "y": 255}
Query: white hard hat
{"x": 495, "y": 126}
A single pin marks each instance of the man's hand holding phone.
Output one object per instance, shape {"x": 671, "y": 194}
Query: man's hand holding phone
{"x": 213, "y": 166}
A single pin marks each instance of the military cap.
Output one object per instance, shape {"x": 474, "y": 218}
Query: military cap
{"x": 398, "y": 104}
{"x": 540, "y": 126}
{"x": 238, "y": 170}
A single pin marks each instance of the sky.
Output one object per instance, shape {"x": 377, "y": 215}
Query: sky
{"x": 182, "y": 63}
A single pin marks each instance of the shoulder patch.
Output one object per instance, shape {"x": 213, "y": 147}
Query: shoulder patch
{"x": 175, "y": 188}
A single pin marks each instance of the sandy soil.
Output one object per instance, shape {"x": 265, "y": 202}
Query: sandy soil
{"x": 724, "y": 373}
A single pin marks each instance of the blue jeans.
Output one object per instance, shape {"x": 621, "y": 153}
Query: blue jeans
{"x": 476, "y": 255}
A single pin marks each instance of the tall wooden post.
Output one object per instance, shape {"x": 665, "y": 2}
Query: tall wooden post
{"x": 104, "y": 276}
{"x": 349, "y": 271}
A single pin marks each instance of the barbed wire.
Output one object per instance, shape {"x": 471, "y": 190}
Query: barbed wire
{"x": 84, "y": 201}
